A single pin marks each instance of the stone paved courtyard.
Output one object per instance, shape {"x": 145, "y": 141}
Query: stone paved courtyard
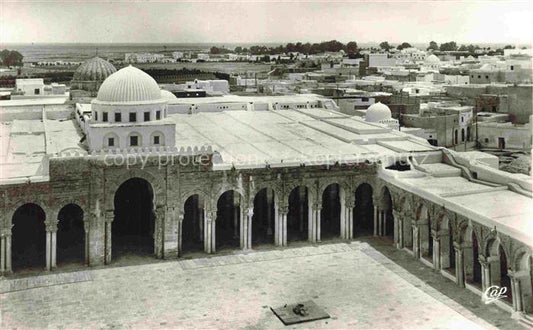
{"x": 355, "y": 283}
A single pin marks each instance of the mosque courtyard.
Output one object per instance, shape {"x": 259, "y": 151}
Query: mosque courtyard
{"x": 360, "y": 285}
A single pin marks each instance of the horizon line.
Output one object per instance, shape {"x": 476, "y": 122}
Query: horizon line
{"x": 254, "y": 43}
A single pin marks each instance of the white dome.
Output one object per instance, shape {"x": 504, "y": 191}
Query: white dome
{"x": 377, "y": 112}
{"x": 167, "y": 95}
{"x": 432, "y": 59}
{"x": 129, "y": 85}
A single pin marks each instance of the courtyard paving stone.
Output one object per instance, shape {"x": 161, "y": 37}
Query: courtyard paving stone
{"x": 357, "y": 283}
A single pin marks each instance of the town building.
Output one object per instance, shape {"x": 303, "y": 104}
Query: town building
{"x": 451, "y": 122}
{"x": 496, "y": 131}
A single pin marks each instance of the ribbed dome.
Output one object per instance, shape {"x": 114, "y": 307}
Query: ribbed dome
{"x": 378, "y": 112}
{"x": 95, "y": 69}
{"x": 432, "y": 59}
{"x": 167, "y": 95}
{"x": 129, "y": 85}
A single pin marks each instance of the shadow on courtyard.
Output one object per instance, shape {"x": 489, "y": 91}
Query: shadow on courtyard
{"x": 467, "y": 299}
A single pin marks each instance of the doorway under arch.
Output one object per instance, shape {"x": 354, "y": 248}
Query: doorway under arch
{"x": 133, "y": 225}
{"x": 298, "y": 216}
{"x": 330, "y": 217}
{"x": 228, "y": 220}
{"x": 263, "y": 218}
{"x": 28, "y": 249}
{"x": 363, "y": 215}
{"x": 389, "y": 217}
{"x": 192, "y": 228}
{"x": 70, "y": 235}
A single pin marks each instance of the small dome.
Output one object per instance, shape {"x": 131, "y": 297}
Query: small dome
{"x": 129, "y": 85}
{"x": 378, "y": 112}
{"x": 94, "y": 69}
{"x": 167, "y": 95}
{"x": 432, "y": 59}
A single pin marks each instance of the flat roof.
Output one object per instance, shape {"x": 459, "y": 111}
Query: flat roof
{"x": 493, "y": 206}
{"x": 32, "y": 101}
{"x": 256, "y": 138}
{"x": 25, "y": 143}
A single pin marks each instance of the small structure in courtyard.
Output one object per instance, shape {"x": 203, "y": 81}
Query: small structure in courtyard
{"x": 300, "y": 312}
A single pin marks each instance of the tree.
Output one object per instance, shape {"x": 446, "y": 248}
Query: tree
{"x": 448, "y": 46}
{"x": 433, "y": 46}
{"x": 11, "y": 58}
{"x": 385, "y": 45}
{"x": 509, "y": 47}
{"x": 351, "y": 47}
{"x": 404, "y": 45}
{"x": 238, "y": 49}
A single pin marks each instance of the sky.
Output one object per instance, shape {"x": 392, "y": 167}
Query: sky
{"x": 266, "y": 21}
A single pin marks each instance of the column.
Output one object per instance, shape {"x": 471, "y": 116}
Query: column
{"x": 171, "y": 231}
{"x": 96, "y": 237}
{"x": 349, "y": 217}
{"x": 459, "y": 265}
{"x": 236, "y": 218}
{"x": 248, "y": 232}
{"x": 396, "y": 228}
{"x": 277, "y": 227}
{"x": 343, "y": 220}
{"x": 445, "y": 246}
{"x": 515, "y": 290}
{"x": 384, "y": 220}
{"x": 423, "y": 237}
{"x": 8, "y": 236}
{"x": 208, "y": 220}
{"x": 53, "y": 261}
{"x": 284, "y": 228}
{"x": 159, "y": 231}
{"x": 87, "y": 228}
{"x": 5, "y": 257}
{"x": 436, "y": 250}
{"x": 243, "y": 230}
{"x": 51, "y": 246}
{"x": 375, "y": 220}
{"x": 201, "y": 216}
{"x": 3, "y": 252}
{"x": 318, "y": 213}
{"x": 194, "y": 214}
{"x": 380, "y": 220}
{"x": 310, "y": 223}
{"x": 282, "y": 225}
{"x": 109, "y": 217}
{"x": 213, "y": 237}
{"x": 180, "y": 232}
{"x": 485, "y": 273}
{"x": 268, "y": 211}
{"x": 401, "y": 242}
{"x": 416, "y": 240}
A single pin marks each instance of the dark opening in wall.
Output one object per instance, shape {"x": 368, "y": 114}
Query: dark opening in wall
{"x": 400, "y": 166}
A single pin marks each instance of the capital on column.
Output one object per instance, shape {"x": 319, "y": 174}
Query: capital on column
{"x": 51, "y": 225}
{"x": 109, "y": 216}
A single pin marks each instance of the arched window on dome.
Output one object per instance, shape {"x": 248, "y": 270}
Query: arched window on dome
{"x": 134, "y": 139}
{"x": 157, "y": 139}
{"x": 111, "y": 141}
